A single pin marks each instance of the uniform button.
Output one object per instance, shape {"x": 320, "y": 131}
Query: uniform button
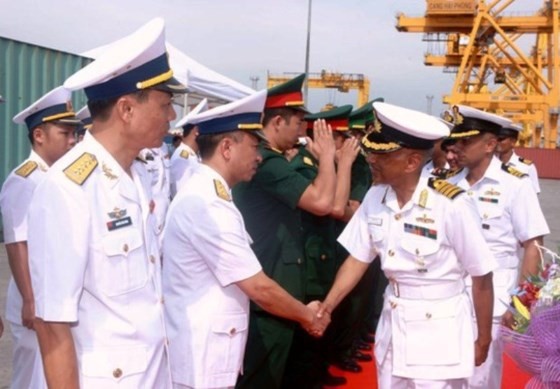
{"x": 125, "y": 248}
{"x": 299, "y": 261}
{"x": 470, "y": 193}
{"x": 398, "y": 216}
{"x": 428, "y": 315}
{"x": 393, "y": 304}
{"x": 232, "y": 331}
{"x": 391, "y": 253}
{"x": 485, "y": 216}
{"x": 117, "y": 373}
{"x": 152, "y": 259}
{"x": 323, "y": 257}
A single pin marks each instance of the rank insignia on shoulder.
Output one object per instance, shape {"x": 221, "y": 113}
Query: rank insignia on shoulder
{"x": 525, "y": 161}
{"x": 445, "y": 188}
{"x": 308, "y": 161}
{"x": 26, "y": 169}
{"x": 444, "y": 174}
{"x": 79, "y": 170}
{"x": 185, "y": 154}
{"x": 513, "y": 171}
{"x": 221, "y": 190}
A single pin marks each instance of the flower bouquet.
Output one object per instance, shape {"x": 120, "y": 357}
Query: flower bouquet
{"x": 534, "y": 341}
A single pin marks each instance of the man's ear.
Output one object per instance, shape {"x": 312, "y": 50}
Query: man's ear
{"x": 124, "y": 108}
{"x": 413, "y": 161}
{"x": 39, "y": 134}
{"x": 225, "y": 147}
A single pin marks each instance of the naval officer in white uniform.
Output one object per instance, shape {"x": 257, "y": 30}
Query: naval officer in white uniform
{"x": 210, "y": 271}
{"x": 93, "y": 250}
{"x": 426, "y": 233}
{"x": 51, "y": 123}
{"x": 509, "y": 214}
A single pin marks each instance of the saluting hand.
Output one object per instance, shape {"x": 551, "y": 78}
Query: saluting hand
{"x": 322, "y": 144}
{"x": 348, "y": 152}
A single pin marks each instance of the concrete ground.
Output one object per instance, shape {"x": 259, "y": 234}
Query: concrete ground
{"x": 549, "y": 198}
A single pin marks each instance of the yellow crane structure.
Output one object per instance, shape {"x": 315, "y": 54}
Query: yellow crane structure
{"x": 343, "y": 82}
{"x": 477, "y": 39}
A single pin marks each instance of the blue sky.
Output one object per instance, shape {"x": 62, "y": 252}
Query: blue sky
{"x": 244, "y": 38}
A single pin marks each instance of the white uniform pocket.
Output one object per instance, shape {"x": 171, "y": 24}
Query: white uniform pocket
{"x": 432, "y": 335}
{"x": 226, "y": 343}
{"x": 115, "y": 363}
{"x": 124, "y": 266}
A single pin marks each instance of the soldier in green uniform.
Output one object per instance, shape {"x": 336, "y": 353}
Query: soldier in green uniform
{"x": 320, "y": 241}
{"x": 271, "y": 205}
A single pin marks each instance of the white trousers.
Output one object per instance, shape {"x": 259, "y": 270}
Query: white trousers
{"x": 489, "y": 374}
{"x": 27, "y": 366}
{"x": 386, "y": 379}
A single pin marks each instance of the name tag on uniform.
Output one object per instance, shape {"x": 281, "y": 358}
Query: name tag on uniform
{"x": 376, "y": 221}
{"x": 120, "y": 223}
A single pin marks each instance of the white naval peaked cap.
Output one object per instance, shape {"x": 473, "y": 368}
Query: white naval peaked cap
{"x": 471, "y": 121}
{"x": 186, "y": 120}
{"x": 242, "y": 114}
{"x": 55, "y": 106}
{"x": 133, "y": 63}
{"x": 397, "y": 127}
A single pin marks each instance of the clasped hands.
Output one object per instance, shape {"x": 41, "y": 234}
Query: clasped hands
{"x": 321, "y": 318}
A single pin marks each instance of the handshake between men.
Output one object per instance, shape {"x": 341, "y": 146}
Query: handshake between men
{"x": 320, "y": 319}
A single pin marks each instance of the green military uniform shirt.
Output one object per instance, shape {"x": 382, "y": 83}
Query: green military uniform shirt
{"x": 318, "y": 235}
{"x": 268, "y": 204}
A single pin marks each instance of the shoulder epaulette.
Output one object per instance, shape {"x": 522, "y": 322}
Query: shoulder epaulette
{"x": 79, "y": 170}
{"x": 26, "y": 169}
{"x": 525, "y": 161}
{"x": 185, "y": 154}
{"x": 445, "y": 188}
{"x": 221, "y": 190}
{"x": 513, "y": 171}
{"x": 445, "y": 173}
{"x": 308, "y": 161}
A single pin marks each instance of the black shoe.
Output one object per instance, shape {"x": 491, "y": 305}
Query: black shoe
{"x": 368, "y": 338}
{"x": 359, "y": 356}
{"x": 363, "y": 346}
{"x": 348, "y": 364}
{"x": 332, "y": 380}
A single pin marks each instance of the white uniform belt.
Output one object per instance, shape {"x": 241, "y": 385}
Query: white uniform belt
{"x": 427, "y": 292}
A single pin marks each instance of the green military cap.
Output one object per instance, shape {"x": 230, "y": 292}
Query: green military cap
{"x": 337, "y": 118}
{"x": 287, "y": 95}
{"x": 363, "y": 116}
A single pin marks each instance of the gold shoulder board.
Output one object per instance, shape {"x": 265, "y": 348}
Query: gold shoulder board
{"x": 452, "y": 173}
{"x": 525, "y": 161}
{"x": 185, "y": 154}
{"x": 79, "y": 170}
{"x": 445, "y": 188}
{"x": 308, "y": 161}
{"x": 221, "y": 190}
{"x": 513, "y": 171}
{"x": 26, "y": 169}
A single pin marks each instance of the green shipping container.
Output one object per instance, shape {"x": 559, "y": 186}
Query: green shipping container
{"x": 27, "y": 72}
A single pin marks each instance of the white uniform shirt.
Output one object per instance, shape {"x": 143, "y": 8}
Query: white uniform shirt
{"x": 426, "y": 248}
{"x": 15, "y": 199}
{"x": 509, "y": 213}
{"x": 94, "y": 263}
{"x": 206, "y": 250}
{"x": 527, "y": 167}
{"x": 157, "y": 164}
{"x": 183, "y": 163}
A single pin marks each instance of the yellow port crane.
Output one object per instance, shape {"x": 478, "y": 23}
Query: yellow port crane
{"x": 342, "y": 82}
{"x": 477, "y": 39}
